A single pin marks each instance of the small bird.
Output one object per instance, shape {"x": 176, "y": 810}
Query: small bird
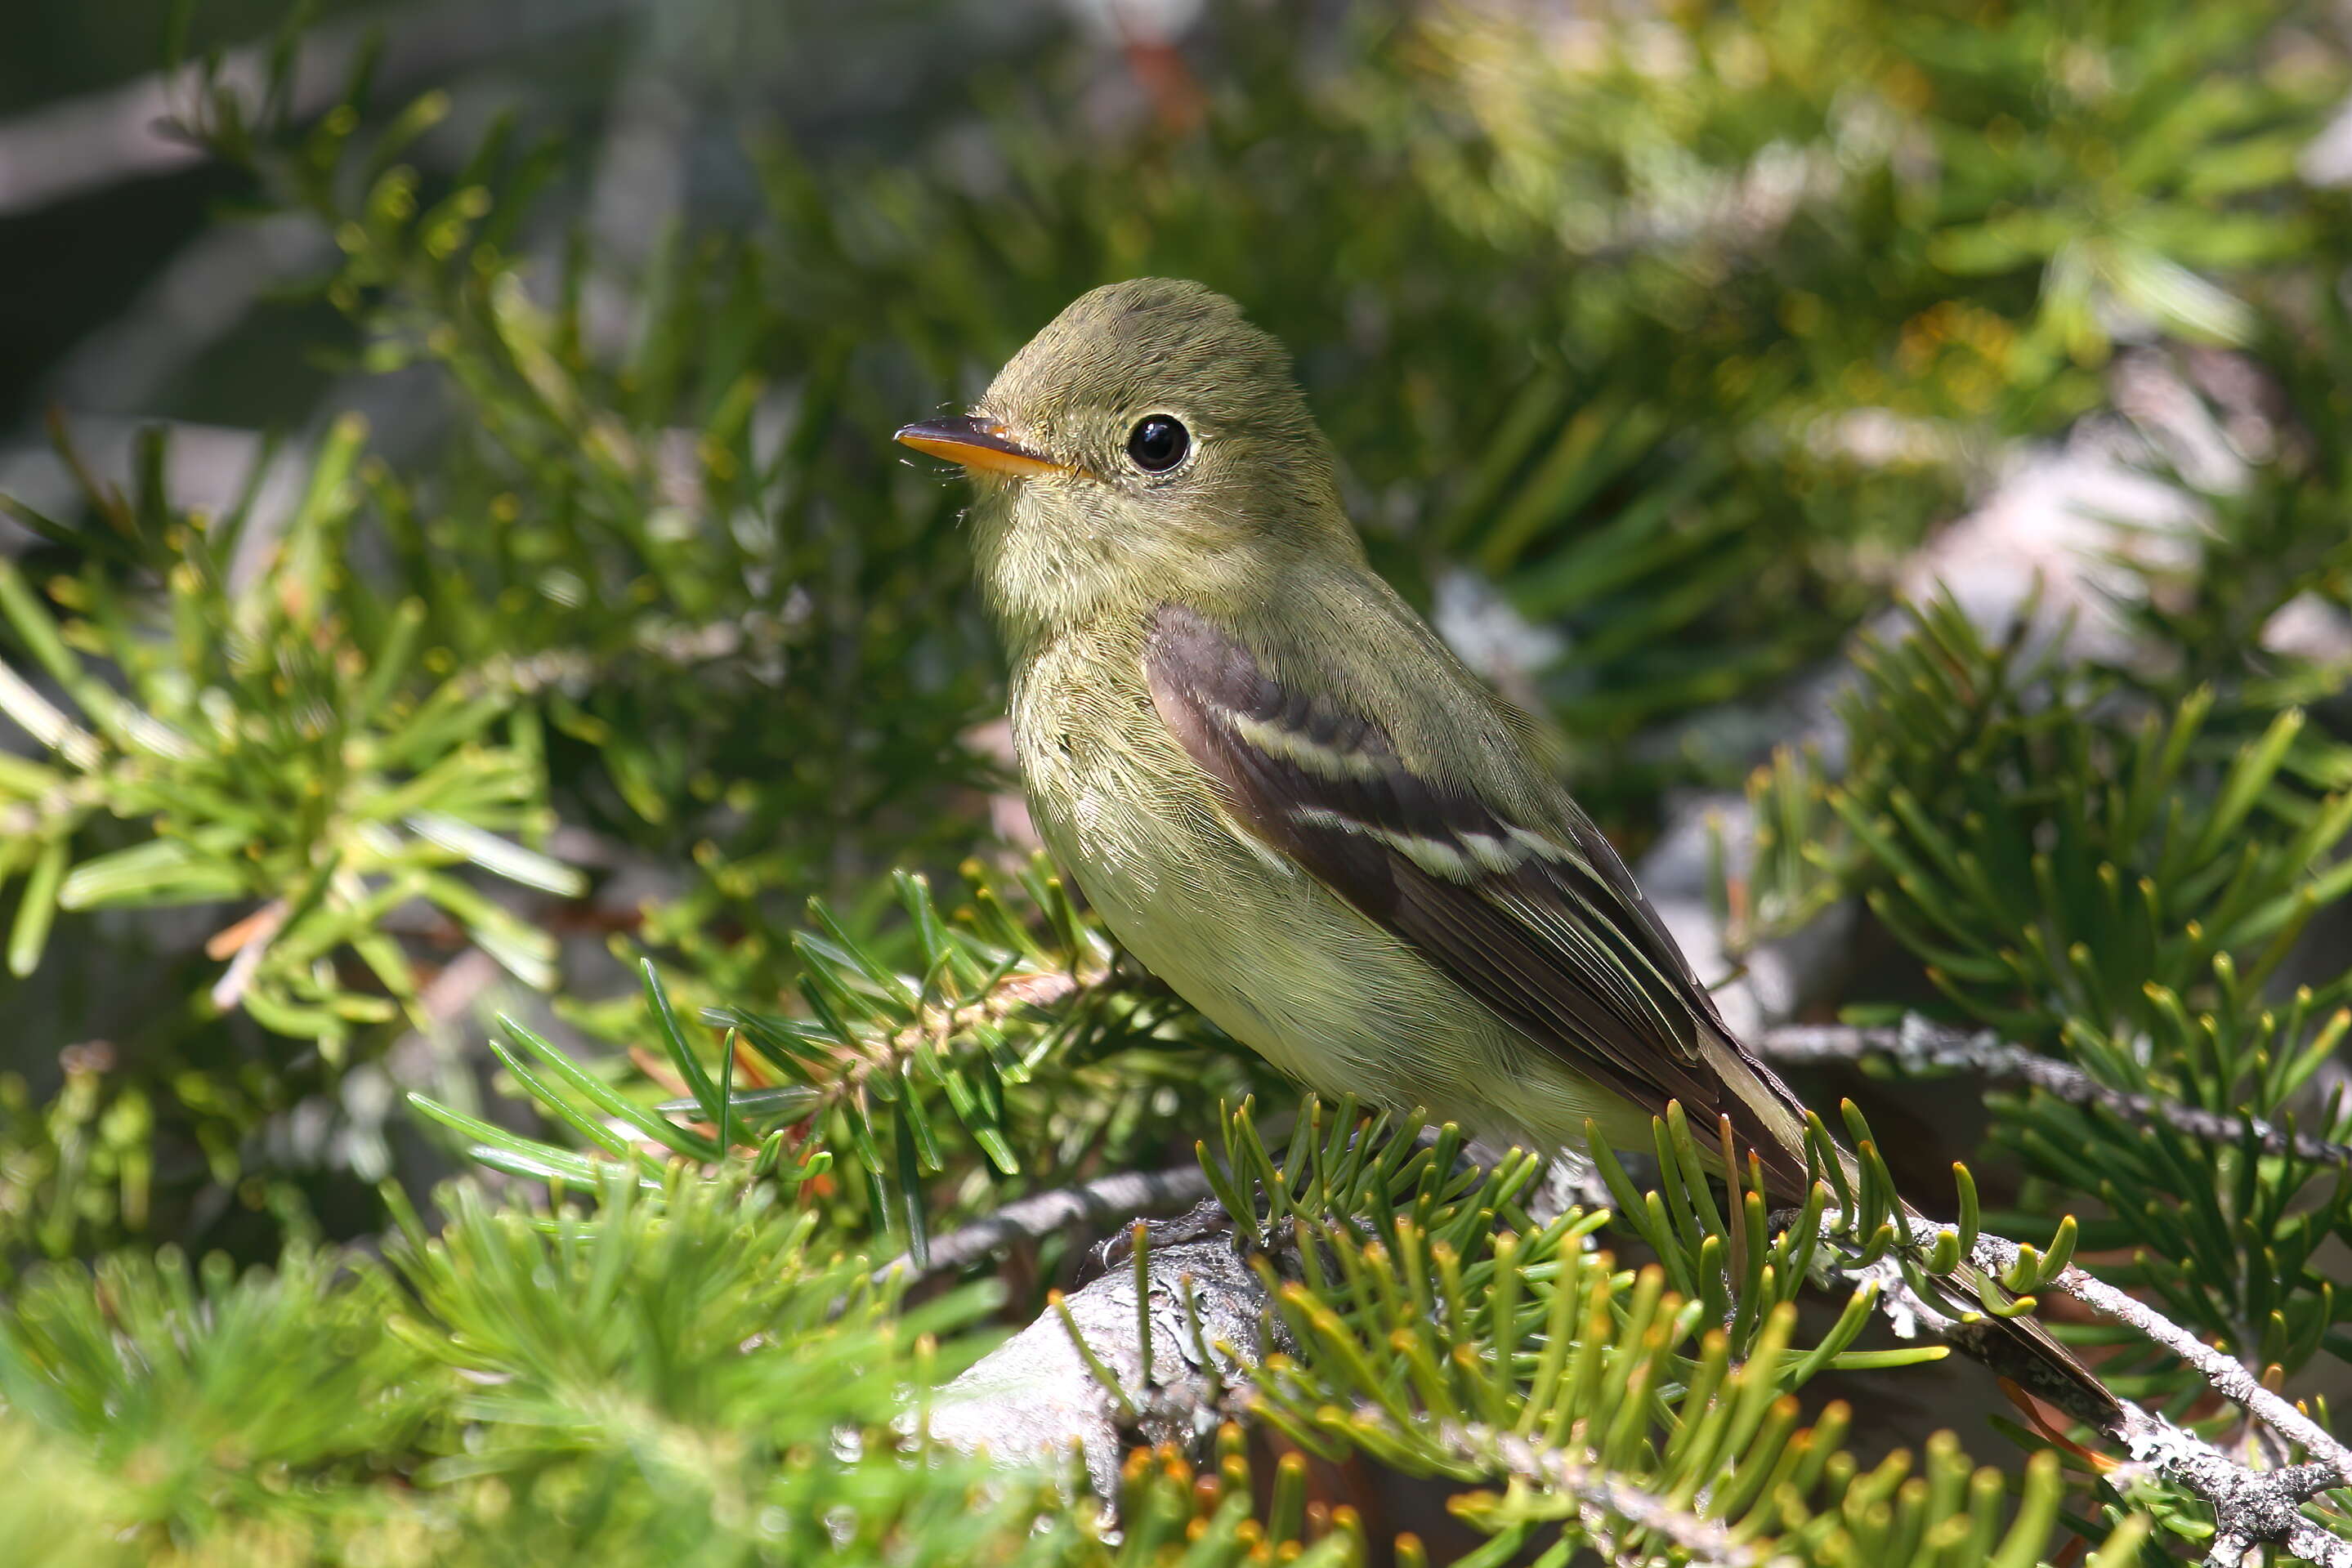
{"x": 1282, "y": 792}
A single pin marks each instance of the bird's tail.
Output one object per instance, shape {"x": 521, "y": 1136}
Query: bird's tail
{"x": 2012, "y": 1342}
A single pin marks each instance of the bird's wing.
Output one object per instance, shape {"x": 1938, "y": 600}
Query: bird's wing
{"x": 1541, "y": 922}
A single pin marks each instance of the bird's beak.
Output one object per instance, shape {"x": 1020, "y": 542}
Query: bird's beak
{"x": 978, "y": 444}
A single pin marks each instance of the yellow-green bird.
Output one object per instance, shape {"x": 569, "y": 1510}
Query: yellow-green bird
{"x": 1281, "y": 790}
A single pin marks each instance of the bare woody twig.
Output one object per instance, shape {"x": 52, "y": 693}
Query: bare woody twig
{"x": 1917, "y": 1046}
{"x": 2251, "y": 1507}
{"x": 1120, "y": 1197}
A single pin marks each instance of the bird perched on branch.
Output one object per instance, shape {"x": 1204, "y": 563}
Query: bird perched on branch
{"x": 1281, "y": 791}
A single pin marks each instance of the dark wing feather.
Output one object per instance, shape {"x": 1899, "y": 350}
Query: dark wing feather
{"x": 1544, "y": 928}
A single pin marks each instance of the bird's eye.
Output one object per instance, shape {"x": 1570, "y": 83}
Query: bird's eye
{"x": 1158, "y": 443}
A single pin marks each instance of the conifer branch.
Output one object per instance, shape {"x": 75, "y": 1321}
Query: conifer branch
{"x": 2249, "y": 1506}
{"x": 2226, "y": 1376}
{"x": 1042, "y": 1390}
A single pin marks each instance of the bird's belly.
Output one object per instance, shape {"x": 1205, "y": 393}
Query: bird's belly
{"x": 1306, "y": 982}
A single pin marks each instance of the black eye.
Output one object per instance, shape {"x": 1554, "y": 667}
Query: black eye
{"x": 1158, "y": 443}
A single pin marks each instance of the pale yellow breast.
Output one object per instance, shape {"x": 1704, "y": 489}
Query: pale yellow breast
{"x": 1267, "y": 952}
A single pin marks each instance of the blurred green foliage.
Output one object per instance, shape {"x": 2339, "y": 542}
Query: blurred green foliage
{"x": 1662, "y": 335}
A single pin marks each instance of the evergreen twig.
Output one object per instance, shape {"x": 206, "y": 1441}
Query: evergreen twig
{"x": 2249, "y": 1506}
{"x": 2228, "y": 1379}
{"x": 1607, "y": 1496}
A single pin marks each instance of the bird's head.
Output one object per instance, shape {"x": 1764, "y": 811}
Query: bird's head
{"x": 1148, "y": 446}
